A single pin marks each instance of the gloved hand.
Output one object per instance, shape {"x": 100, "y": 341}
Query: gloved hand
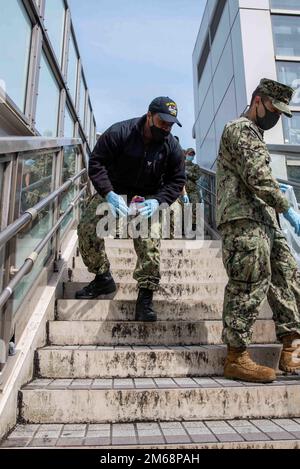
{"x": 148, "y": 208}
{"x": 185, "y": 199}
{"x": 284, "y": 187}
{"x": 117, "y": 204}
{"x": 294, "y": 219}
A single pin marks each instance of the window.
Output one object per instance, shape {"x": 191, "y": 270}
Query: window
{"x": 48, "y": 101}
{"x": 72, "y": 69}
{"x": 54, "y": 22}
{"x": 82, "y": 101}
{"x": 69, "y": 124}
{"x": 203, "y": 58}
{"x": 286, "y": 4}
{"x": 93, "y": 134}
{"x": 216, "y": 19}
{"x": 1, "y": 249}
{"x": 291, "y": 129}
{"x": 15, "y": 33}
{"x": 91, "y": 139}
{"x": 88, "y": 122}
{"x": 289, "y": 73}
{"x": 287, "y": 35}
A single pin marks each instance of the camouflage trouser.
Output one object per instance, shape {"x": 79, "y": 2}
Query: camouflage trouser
{"x": 259, "y": 264}
{"x": 92, "y": 249}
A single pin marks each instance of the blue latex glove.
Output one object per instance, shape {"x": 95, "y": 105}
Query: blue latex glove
{"x": 185, "y": 199}
{"x": 284, "y": 187}
{"x": 117, "y": 204}
{"x": 294, "y": 219}
{"x": 148, "y": 208}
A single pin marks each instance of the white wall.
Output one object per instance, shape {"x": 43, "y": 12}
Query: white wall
{"x": 259, "y": 54}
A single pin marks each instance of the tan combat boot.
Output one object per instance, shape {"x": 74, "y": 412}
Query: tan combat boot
{"x": 239, "y": 366}
{"x": 290, "y": 355}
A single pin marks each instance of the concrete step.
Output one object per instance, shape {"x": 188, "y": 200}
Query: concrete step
{"x": 141, "y": 362}
{"x": 111, "y": 310}
{"x": 168, "y": 253}
{"x": 140, "y": 333}
{"x": 221, "y": 434}
{"x": 167, "y": 276}
{"x": 171, "y": 263}
{"x": 167, "y": 291}
{"x": 166, "y": 244}
{"x": 189, "y": 399}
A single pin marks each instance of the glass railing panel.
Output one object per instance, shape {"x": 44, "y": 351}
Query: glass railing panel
{"x": 37, "y": 173}
{"x": 69, "y": 169}
{"x": 293, "y": 171}
{"x": 205, "y": 189}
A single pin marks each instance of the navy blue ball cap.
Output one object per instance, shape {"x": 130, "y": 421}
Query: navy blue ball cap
{"x": 166, "y": 108}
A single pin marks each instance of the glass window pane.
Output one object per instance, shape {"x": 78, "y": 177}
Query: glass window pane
{"x": 72, "y": 69}
{"x": 82, "y": 102}
{"x": 54, "y": 22}
{"x": 15, "y": 33}
{"x": 289, "y": 73}
{"x": 48, "y": 101}
{"x": 38, "y": 171}
{"x": 287, "y": 35}
{"x": 286, "y": 4}
{"x": 91, "y": 131}
{"x": 1, "y": 190}
{"x": 93, "y": 135}
{"x": 88, "y": 122}
{"x": 1, "y": 250}
{"x": 291, "y": 128}
{"x": 69, "y": 124}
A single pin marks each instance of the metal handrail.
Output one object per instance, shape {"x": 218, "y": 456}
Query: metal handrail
{"x": 207, "y": 190}
{"x": 31, "y": 214}
{"x": 283, "y": 148}
{"x": 24, "y": 144}
{"x": 214, "y": 233}
{"x": 32, "y": 258}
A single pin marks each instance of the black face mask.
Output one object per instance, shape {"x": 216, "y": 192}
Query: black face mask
{"x": 158, "y": 135}
{"x": 269, "y": 120}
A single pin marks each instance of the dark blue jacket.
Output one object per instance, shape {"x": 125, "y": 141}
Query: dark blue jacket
{"x": 122, "y": 163}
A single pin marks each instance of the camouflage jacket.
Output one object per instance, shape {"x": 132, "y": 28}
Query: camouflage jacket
{"x": 246, "y": 187}
{"x": 193, "y": 173}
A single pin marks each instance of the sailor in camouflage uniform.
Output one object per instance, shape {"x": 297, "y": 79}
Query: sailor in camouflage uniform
{"x": 256, "y": 256}
{"x": 193, "y": 174}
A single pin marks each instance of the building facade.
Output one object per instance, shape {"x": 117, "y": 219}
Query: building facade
{"x": 43, "y": 90}
{"x": 240, "y": 42}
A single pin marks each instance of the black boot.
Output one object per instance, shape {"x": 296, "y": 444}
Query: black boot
{"x": 144, "y": 306}
{"x": 102, "y": 285}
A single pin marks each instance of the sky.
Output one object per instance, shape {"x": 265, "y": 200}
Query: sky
{"x": 135, "y": 50}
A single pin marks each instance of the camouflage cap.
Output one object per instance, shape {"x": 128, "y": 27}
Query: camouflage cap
{"x": 279, "y": 94}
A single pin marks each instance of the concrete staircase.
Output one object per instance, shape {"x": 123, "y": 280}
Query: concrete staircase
{"x": 105, "y": 380}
